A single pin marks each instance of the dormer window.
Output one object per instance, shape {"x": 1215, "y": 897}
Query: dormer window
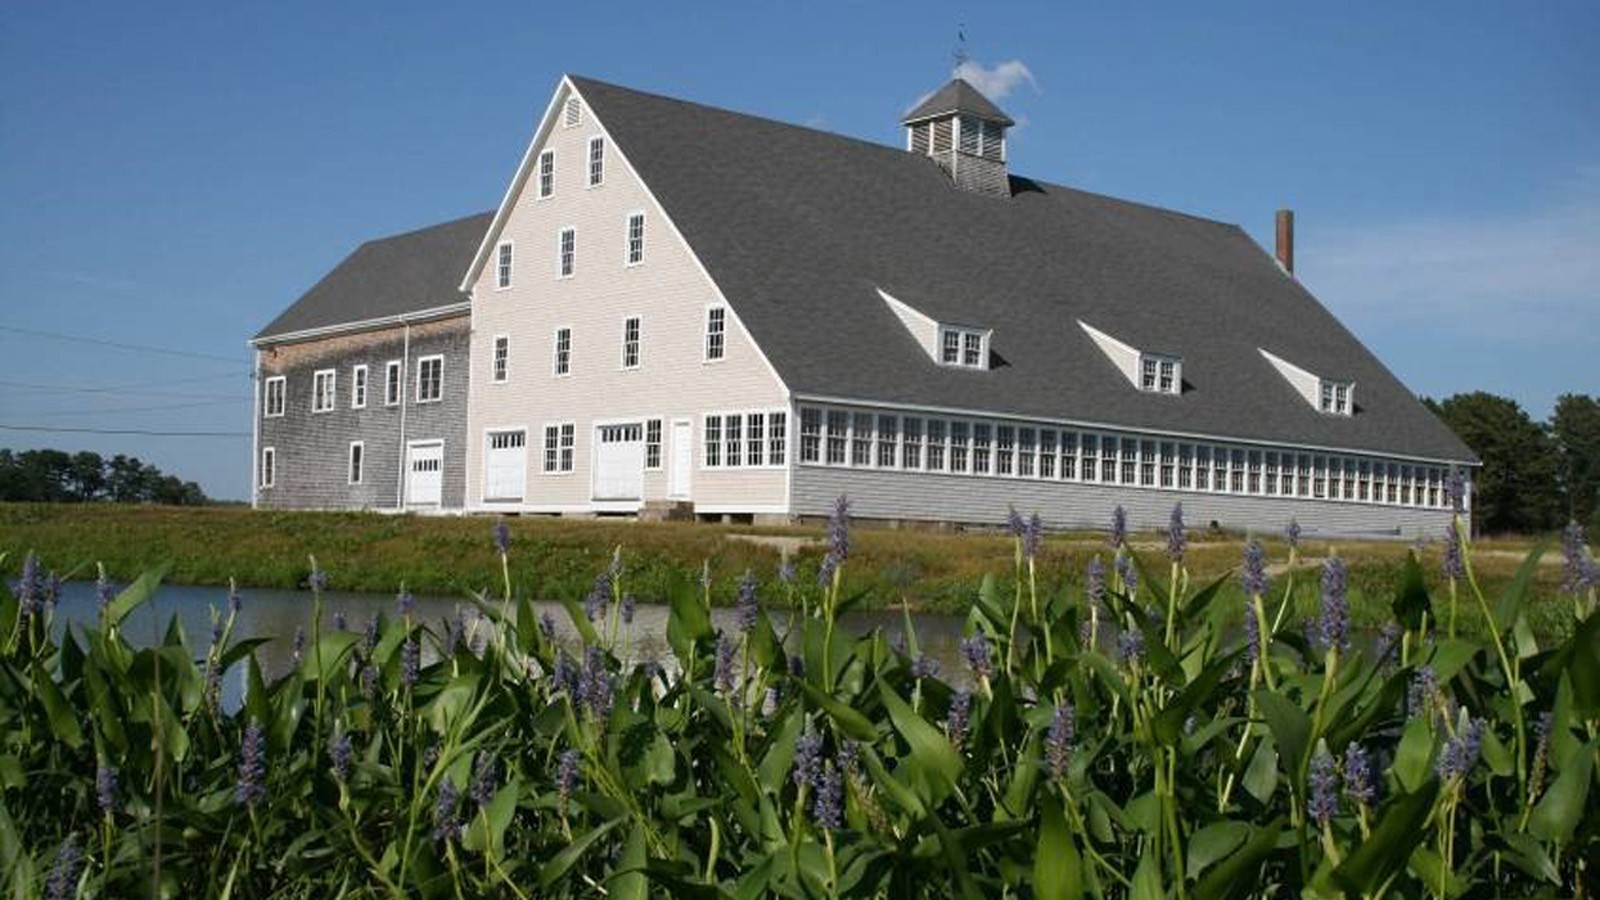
{"x": 1330, "y": 396}
{"x": 1160, "y": 374}
{"x": 967, "y": 348}
{"x": 1336, "y": 397}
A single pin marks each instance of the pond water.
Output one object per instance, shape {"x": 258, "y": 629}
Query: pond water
{"x": 277, "y": 614}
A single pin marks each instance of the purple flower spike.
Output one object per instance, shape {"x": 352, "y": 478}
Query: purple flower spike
{"x": 1452, "y": 566}
{"x": 746, "y": 609}
{"x": 1254, "y": 577}
{"x": 340, "y": 752}
{"x": 1095, "y": 584}
{"x": 29, "y": 587}
{"x": 1455, "y": 490}
{"x": 1323, "y": 780}
{"x": 318, "y": 580}
{"x": 807, "y": 767}
{"x": 410, "y": 663}
{"x": 1177, "y": 538}
{"x": 959, "y": 718}
{"x": 1032, "y": 536}
{"x": 724, "y": 671}
{"x": 502, "y": 538}
{"x": 405, "y": 603}
{"x": 63, "y": 881}
{"x": 1130, "y": 643}
{"x": 829, "y": 805}
{"x": 1358, "y": 780}
{"x": 297, "y": 645}
{"x": 1335, "y": 624}
{"x": 251, "y": 787}
{"x": 485, "y": 779}
{"x": 1292, "y": 534}
{"x": 976, "y": 651}
{"x": 1576, "y": 571}
{"x": 1460, "y": 753}
{"x": 105, "y": 591}
{"x": 1129, "y": 575}
{"x": 105, "y": 789}
{"x": 1119, "y": 528}
{"x": 1016, "y": 526}
{"x": 1252, "y": 635}
{"x": 924, "y": 666}
{"x": 1420, "y": 696}
{"x": 1059, "y": 739}
{"x": 547, "y": 626}
{"x": 596, "y": 689}
{"x": 446, "y": 821}
{"x": 567, "y": 771}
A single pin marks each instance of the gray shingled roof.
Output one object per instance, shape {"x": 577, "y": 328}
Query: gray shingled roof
{"x": 393, "y": 276}
{"x": 958, "y": 96}
{"x": 800, "y": 227}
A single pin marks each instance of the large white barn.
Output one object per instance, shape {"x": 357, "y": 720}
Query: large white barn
{"x": 680, "y": 310}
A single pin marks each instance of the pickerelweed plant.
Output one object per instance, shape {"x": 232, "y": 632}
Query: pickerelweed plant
{"x": 1133, "y": 739}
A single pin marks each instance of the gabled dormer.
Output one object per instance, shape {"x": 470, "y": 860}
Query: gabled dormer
{"x": 1332, "y": 396}
{"x": 1151, "y": 371}
{"x": 946, "y": 343}
{"x": 965, "y": 134}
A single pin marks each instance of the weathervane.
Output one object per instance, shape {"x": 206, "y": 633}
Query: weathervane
{"x": 960, "y": 53}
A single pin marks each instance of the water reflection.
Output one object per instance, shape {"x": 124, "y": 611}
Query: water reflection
{"x": 277, "y": 614}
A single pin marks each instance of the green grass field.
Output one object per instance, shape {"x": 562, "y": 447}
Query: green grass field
{"x": 560, "y": 557}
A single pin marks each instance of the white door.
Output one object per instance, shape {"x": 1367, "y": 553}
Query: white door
{"x": 424, "y": 473}
{"x": 619, "y": 462}
{"x": 682, "y": 457}
{"x": 505, "y": 465}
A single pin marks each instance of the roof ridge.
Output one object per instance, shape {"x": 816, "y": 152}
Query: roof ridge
{"x": 416, "y": 231}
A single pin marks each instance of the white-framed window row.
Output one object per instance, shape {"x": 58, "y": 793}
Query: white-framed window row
{"x": 560, "y": 444}
{"x": 430, "y": 379}
{"x": 597, "y": 161}
{"x": 866, "y": 439}
{"x": 267, "y": 475}
{"x": 273, "y": 397}
{"x": 358, "y": 387}
{"x": 716, "y": 342}
{"x": 635, "y": 239}
{"x": 500, "y": 362}
{"x": 963, "y": 348}
{"x": 324, "y": 390}
{"x": 745, "y": 439}
{"x": 1160, "y": 374}
{"x": 547, "y": 174}
{"x": 566, "y": 252}
{"x": 503, "y": 258}
{"x": 632, "y": 334}
{"x": 392, "y": 383}
{"x": 561, "y": 352}
{"x": 357, "y": 464}
{"x": 1337, "y": 397}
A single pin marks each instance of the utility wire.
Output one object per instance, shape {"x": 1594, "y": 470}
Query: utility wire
{"x": 140, "y": 431}
{"x": 123, "y": 387}
{"x": 66, "y": 389}
{"x": 118, "y": 410}
{"x": 138, "y": 348}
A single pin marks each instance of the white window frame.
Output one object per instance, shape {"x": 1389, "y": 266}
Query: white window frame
{"x": 963, "y": 336}
{"x": 547, "y": 175}
{"x": 504, "y": 260}
{"x": 500, "y": 359}
{"x": 566, "y": 259}
{"x": 332, "y": 376}
{"x": 636, "y": 345}
{"x": 422, "y": 368}
{"x": 1156, "y": 365}
{"x": 562, "y": 448}
{"x": 355, "y": 467}
{"x": 561, "y": 359}
{"x": 267, "y": 475}
{"x": 721, "y": 334}
{"x": 359, "y": 385}
{"x": 596, "y": 168}
{"x": 654, "y": 429}
{"x": 394, "y": 383}
{"x": 277, "y": 385}
{"x": 769, "y": 451}
{"x": 629, "y": 257}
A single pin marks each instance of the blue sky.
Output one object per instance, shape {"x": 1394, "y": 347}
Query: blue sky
{"x": 172, "y": 176}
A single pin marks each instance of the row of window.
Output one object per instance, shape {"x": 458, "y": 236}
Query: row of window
{"x": 840, "y": 437}
{"x": 596, "y": 171}
{"x": 325, "y": 387}
{"x": 567, "y": 251}
{"x": 355, "y": 469}
{"x": 631, "y": 346}
{"x": 733, "y": 440}
{"x": 560, "y": 443}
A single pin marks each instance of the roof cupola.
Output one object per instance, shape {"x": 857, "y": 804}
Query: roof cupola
{"x": 965, "y": 133}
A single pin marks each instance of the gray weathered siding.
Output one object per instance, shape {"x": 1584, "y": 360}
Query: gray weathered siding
{"x": 987, "y": 501}
{"x": 313, "y": 448}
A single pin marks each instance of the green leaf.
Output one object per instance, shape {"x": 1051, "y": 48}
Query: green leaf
{"x": 1147, "y": 878}
{"x": 558, "y": 865}
{"x": 328, "y": 655}
{"x": 1169, "y": 722}
{"x": 1236, "y": 876}
{"x": 1559, "y": 810}
{"x": 933, "y": 757}
{"x": 847, "y": 718}
{"x": 1214, "y": 842}
{"x": 1289, "y": 724}
{"x": 487, "y": 831}
{"x": 135, "y": 595}
{"x": 1515, "y": 594}
{"x": 1261, "y": 778}
{"x": 1411, "y": 597}
{"x": 1398, "y": 832}
{"x": 1412, "y": 758}
{"x": 1057, "y": 866}
{"x": 774, "y": 768}
{"x": 63, "y": 721}
{"x": 630, "y": 882}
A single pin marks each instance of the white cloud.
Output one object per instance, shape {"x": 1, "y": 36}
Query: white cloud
{"x": 995, "y": 83}
{"x": 1531, "y": 277}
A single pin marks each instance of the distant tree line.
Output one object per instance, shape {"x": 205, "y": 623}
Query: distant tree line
{"x": 1536, "y": 476}
{"x": 55, "y": 476}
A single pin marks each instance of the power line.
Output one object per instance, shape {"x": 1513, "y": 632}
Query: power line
{"x": 118, "y": 410}
{"x": 138, "y": 431}
{"x": 69, "y": 389}
{"x": 138, "y": 348}
{"x": 124, "y": 386}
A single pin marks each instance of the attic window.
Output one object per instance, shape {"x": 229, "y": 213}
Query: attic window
{"x": 1160, "y": 374}
{"x": 965, "y": 348}
{"x": 1335, "y": 397}
{"x": 574, "y": 113}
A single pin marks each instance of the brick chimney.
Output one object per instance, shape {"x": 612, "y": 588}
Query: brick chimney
{"x": 1285, "y": 252}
